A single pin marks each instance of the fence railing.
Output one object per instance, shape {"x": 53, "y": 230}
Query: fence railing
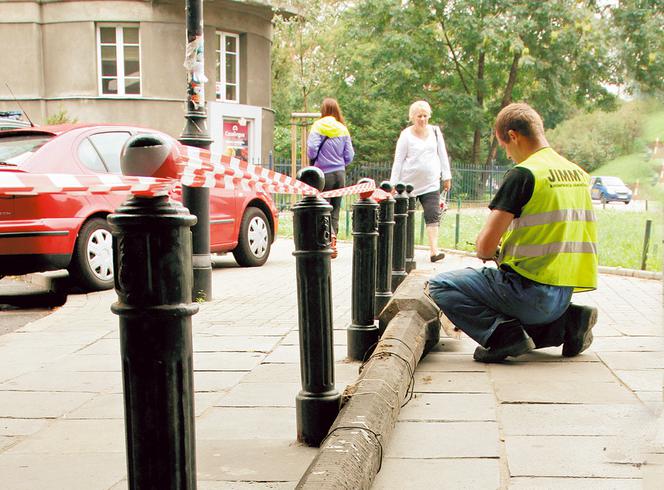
{"x": 472, "y": 184}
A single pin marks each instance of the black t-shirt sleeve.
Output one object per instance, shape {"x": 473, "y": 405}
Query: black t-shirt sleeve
{"x": 516, "y": 191}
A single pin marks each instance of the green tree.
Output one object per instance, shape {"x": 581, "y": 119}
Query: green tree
{"x": 640, "y": 41}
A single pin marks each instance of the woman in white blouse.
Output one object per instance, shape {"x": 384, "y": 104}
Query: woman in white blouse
{"x": 421, "y": 159}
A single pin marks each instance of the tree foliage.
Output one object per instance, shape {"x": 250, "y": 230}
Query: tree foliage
{"x": 467, "y": 58}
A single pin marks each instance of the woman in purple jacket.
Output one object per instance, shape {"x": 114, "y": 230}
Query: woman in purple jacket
{"x": 330, "y": 148}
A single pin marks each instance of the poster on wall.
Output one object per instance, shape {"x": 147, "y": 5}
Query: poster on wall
{"x": 236, "y": 139}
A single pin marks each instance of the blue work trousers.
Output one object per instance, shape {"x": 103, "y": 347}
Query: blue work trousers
{"x": 477, "y": 301}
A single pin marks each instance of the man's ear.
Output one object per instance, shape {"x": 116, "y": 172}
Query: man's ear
{"x": 513, "y": 135}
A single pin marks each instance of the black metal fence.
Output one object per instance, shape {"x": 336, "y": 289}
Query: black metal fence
{"x": 472, "y": 184}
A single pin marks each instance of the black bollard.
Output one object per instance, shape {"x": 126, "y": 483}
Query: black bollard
{"x": 410, "y": 230}
{"x": 399, "y": 245}
{"x": 317, "y": 404}
{"x": 384, "y": 259}
{"x": 153, "y": 281}
{"x": 363, "y": 332}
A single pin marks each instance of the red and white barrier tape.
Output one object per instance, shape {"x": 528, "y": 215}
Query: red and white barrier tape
{"x": 14, "y": 183}
{"x": 196, "y": 168}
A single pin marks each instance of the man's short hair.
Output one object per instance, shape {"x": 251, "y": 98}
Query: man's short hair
{"x": 519, "y": 117}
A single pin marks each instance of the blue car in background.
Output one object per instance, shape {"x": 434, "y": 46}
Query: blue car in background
{"x": 608, "y": 189}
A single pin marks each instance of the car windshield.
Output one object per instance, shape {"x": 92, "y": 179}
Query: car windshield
{"x": 612, "y": 181}
{"x": 14, "y": 150}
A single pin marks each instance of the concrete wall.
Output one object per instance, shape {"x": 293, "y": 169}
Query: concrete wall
{"x": 48, "y": 56}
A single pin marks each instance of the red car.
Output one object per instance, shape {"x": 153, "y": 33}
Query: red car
{"x": 60, "y": 231}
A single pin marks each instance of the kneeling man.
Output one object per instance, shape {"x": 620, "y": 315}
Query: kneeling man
{"x": 541, "y": 232}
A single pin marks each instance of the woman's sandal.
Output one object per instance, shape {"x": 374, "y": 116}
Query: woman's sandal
{"x": 437, "y": 257}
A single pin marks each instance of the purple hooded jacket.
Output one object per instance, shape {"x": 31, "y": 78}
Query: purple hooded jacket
{"x": 331, "y": 141}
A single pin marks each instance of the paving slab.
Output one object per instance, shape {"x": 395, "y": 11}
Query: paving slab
{"x": 49, "y": 380}
{"x": 260, "y": 395}
{"x": 61, "y": 471}
{"x": 227, "y": 361}
{"x": 446, "y": 382}
{"x": 344, "y": 373}
{"x": 574, "y": 419}
{"x": 40, "y": 404}
{"x": 642, "y": 379}
{"x": 21, "y": 427}
{"x": 527, "y": 483}
{"x": 633, "y": 360}
{"x": 437, "y": 473}
{"x": 231, "y": 423}
{"x": 75, "y": 437}
{"x": 443, "y": 440}
{"x": 234, "y": 343}
{"x": 291, "y": 354}
{"x": 252, "y": 460}
{"x": 551, "y": 456}
{"x": 450, "y": 407}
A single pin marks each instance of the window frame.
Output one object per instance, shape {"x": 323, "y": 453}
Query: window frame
{"x": 119, "y": 59}
{"x": 220, "y": 54}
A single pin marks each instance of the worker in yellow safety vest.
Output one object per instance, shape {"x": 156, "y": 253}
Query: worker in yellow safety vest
{"x": 541, "y": 233}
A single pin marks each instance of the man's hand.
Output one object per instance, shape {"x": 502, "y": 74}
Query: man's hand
{"x": 447, "y": 184}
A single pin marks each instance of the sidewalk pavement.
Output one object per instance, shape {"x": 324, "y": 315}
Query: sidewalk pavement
{"x": 543, "y": 422}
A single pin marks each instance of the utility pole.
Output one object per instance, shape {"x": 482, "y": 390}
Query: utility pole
{"x": 195, "y": 133}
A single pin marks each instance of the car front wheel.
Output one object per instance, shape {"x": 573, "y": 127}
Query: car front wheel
{"x": 92, "y": 262}
{"x": 255, "y": 238}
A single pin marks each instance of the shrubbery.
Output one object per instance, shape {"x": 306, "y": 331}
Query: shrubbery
{"x": 591, "y": 140}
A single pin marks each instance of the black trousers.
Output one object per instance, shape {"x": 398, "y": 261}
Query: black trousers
{"x": 335, "y": 180}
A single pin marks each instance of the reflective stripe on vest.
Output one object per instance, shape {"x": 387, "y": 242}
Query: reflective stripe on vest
{"x": 552, "y": 217}
{"x": 550, "y": 248}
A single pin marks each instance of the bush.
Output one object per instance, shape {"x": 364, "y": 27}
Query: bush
{"x": 592, "y": 139}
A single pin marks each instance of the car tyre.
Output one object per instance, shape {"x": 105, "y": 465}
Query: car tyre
{"x": 255, "y": 239}
{"x": 92, "y": 262}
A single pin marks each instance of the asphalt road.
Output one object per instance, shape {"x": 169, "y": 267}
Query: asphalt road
{"x": 22, "y": 302}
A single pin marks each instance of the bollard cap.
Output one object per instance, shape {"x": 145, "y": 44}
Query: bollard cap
{"x": 386, "y": 186}
{"x": 150, "y": 155}
{"x": 368, "y": 194}
{"x": 400, "y": 188}
{"x": 409, "y": 188}
{"x": 312, "y": 176}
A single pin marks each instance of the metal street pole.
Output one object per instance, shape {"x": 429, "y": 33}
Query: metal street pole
{"x": 195, "y": 133}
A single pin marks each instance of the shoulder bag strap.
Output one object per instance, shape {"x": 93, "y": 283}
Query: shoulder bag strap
{"x": 313, "y": 160}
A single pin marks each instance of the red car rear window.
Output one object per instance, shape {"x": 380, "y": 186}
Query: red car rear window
{"x": 14, "y": 150}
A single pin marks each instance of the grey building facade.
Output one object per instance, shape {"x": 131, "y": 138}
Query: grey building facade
{"x": 122, "y": 62}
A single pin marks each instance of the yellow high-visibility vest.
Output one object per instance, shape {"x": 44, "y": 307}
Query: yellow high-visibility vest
{"x": 554, "y": 241}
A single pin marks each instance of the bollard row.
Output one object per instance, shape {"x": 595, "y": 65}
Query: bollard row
{"x": 382, "y": 238}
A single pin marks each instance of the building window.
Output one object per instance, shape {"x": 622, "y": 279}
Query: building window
{"x": 119, "y": 55}
{"x": 228, "y": 67}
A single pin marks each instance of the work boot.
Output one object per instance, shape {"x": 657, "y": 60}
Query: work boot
{"x": 513, "y": 342}
{"x": 333, "y": 246}
{"x": 578, "y": 329}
